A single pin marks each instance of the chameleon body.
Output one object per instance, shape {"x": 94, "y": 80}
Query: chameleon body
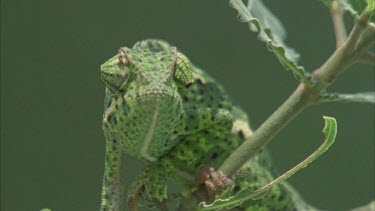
{"x": 163, "y": 110}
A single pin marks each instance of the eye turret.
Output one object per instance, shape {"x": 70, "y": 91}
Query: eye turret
{"x": 183, "y": 72}
{"x": 114, "y": 72}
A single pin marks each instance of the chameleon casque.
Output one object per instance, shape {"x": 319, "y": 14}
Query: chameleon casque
{"x": 173, "y": 115}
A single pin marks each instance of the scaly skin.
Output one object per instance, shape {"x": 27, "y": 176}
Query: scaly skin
{"x": 161, "y": 109}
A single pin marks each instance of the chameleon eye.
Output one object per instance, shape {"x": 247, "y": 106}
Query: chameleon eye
{"x": 183, "y": 71}
{"x": 114, "y": 72}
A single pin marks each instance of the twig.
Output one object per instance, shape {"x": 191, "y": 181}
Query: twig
{"x": 338, "y": 24}
{"x": 343, "y": 57}
{"x": 367, "y": 58}
{"x": 364, "y": 97}
{"x": 367, "y": 38}
{"x": 280, "y": 118}
{"x": 359, "y": 27}
{"x": 303, "y": 97}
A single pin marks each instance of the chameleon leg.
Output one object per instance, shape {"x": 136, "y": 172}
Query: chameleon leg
{"x": 112, "y": 188}
{"x": 202, "y": 127}
{"x": 213, "y": 181}
{"x": 151, "y": 185}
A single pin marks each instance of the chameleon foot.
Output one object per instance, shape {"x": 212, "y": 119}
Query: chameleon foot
{"x": 154, "y": 197}
{"x": 150, "y": 187}
{"x": 133, "y": 200}
{"x": 213, "y": 181}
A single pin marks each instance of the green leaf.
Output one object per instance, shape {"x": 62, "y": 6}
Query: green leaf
{"x": 371, "y": 8}
{"x": 328, "y": 3}
{"x": 367, "y": 207}
{"x": 270, "y": 31}
{"x": 355, "y": 7}
{"x": 364, "y": 97}
{"x": 330, "y": 131}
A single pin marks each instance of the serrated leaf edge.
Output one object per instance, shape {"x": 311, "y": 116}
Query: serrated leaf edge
{"x": 330, "y": 132}
{"x": 288, "y": 63}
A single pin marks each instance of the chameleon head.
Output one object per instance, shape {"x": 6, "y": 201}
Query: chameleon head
{"x": 144, "y": 107}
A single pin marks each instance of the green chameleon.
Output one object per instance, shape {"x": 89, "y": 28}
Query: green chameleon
{"x": 163, "y": 110}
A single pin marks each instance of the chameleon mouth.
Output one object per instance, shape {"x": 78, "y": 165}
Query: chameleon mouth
{"x": 155, "y": 91}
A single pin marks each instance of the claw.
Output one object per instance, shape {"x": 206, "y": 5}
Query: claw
{"x": 133, "y": 199}
{"x": 162, "y": 205}
{"x": 150, "y": 189}
{"x": 214, "y": 183}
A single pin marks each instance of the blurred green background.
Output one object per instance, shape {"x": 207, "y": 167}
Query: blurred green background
{"x": 52, "y": 147}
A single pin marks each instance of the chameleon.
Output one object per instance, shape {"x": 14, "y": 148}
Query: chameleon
{"x": 162, "y": 109}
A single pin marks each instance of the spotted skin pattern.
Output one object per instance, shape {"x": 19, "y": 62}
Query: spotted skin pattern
{"x": 163, "y": 110}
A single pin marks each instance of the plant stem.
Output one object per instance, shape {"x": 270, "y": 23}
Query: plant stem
{"x": 338, "y": 24}
{"x": 367, "y": 58}
{"x": 277, "y": 121}
{"x": 302, "y": 97}
{"x": 367, "y": 38}
{"x": 344, "y": 56}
